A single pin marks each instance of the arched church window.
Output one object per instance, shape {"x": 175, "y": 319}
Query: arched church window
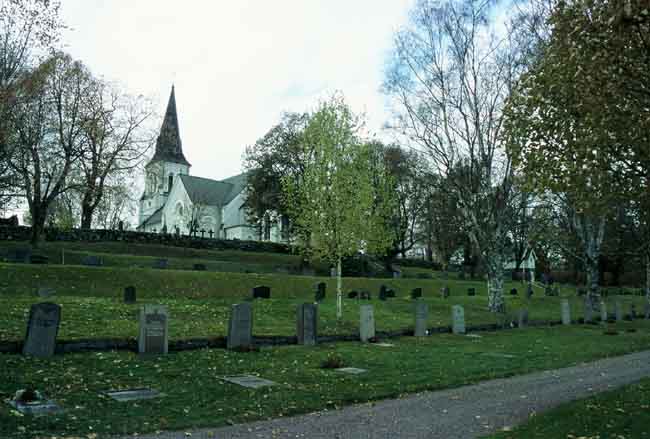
{"x": 179, "y": 209}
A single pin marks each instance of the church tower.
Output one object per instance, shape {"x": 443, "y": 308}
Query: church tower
{"x": 167, "y": 163}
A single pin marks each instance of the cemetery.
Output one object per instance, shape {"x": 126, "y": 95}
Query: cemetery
{"x": 399, "y": 219}
{"x": 113, "y": 336}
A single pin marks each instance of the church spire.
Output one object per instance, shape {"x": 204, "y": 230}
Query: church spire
{"x": 169, "y": 147}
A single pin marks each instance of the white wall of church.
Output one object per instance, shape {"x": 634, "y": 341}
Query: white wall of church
{"x": 179, "y": 210}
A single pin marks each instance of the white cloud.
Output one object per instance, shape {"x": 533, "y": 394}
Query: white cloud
{"x": 237, "y": 65}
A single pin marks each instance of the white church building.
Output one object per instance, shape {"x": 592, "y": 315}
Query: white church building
{"x": 176, "y": 202}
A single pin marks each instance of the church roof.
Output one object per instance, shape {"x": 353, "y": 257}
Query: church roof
{"x": 213, "y": 192}
{"x": 169, "y": 147}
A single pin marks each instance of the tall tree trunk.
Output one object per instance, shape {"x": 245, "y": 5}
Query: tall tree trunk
{"x": 339, "y": 289}
{"x": 87, "y": 212}
{"x": 494, "y": 265}
{"x": 38, "y": 224}
{"x": 591, "y": 231}
{"x": 647, "y": 275}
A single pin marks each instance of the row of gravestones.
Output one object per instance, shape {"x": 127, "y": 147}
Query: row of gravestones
{"x": 590, "y": 309}
{"x": 153, "y": 336}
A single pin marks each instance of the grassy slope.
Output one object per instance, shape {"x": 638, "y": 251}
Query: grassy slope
{"x": 621, "y": 413}
{"x": 199, "y": 302}
{"x": 196, "y": 397}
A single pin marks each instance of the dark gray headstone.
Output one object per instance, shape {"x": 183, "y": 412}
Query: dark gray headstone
{"x": 566, "y": 312}
{"x": 513, "y": 292}
{"x": 240, "y": 326}
{"x": 382, "y": 292}
{"x": 250, "y": 381}
{"x": 458, "y": 319}
{"x": 160, "y": 264}
{"x": 471, "y": 291}
{"x": 588, "y": 308}
{"x": 41, "y": 407}
{"x": 92, "y": 261}
{"x": 261, "y": 292}
{"x": 397, "y": 274}
{"x": 129, "y": 294}
{"x": 307, "y": 324}
{"x": 646, "y": 310}
{"x": 416, "y": 293}
{"x": 42, "y": 329}
{"x": 618, "y": 309}
{"x": 633, "y": 311}
{"x": 353, "y": 294}
{"x": 320, "y": 290}
{"x": 366, "y": 323}
{"x": 199, "y": 267}
{"x": 154, "y": 330}
{"x": 603, "y": 312}
{"x": 365, "y": 295}
{"x": 445, "y": 292}
{"x": 421, "y": 317}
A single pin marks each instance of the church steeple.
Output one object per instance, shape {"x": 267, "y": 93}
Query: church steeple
{"x": 169, "y": 147}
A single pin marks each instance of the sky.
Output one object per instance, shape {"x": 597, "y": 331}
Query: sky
{"x": 238, "y": 65}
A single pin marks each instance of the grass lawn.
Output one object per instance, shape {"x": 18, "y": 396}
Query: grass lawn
{"x": 196, "y": 397}
{"x": 619, "y": 414}
{"x": 199, "y": 302}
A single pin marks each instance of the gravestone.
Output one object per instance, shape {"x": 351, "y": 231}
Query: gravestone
{"x": 588, "y": 308}
{"x": 240, "y": 327}
{"x": 458, "y": 319}
{"x": 19, "y": 255}
{"x": 632, "y": 312}
{"x": 566, "y": 312}
{"x": 42, "y": 329}
{"x": 321, "y": 288}
{"x": 307, "y": 324}
{"x": 513, "y": 292}
{"x": 261, "y": 292}
{"x": 333, "y": 272}
{"x": 548, "y": 291}
{"x": 445, "y": 292}
{"x": 529, "y": 291}
{"x": 351, "y": 370}
{"x": 603, "y": 312}
{"x": 92, "y": 261}
{"x": 646, "y": 310}
{"x": 556, "y": 291}
{"x": 397, "y": 274}
{"x": 390, "y": 293}
{"x": 366, "y": 323}
{"x": 618, "y": 309}
{"x": 423, "y": 276}
{"x": 40, "y": 406}
{"x": 129, "y": 294}
{"x": 250, "y": 381}
{"x": 416, "y": 293}
{"x": 471, "y": 291}
{"x": 522, "y": 318}
{"x": 421, "y": 315}
{"x": 382, "y": 292}
{"x": 160, "y": 264}
{"x": 199, "y": 267}
{"x": 154, "y": 330}
{"x": 365, "y": 295}
{"x": 353, "y": 294}
{"x": 132, "y": 394}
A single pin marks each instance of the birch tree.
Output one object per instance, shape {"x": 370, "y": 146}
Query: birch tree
{"x": 338, "y": 207}
{"x": 451, "y": 72}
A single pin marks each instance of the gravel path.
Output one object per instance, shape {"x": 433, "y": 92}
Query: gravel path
{"x": 465, "y": 412}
